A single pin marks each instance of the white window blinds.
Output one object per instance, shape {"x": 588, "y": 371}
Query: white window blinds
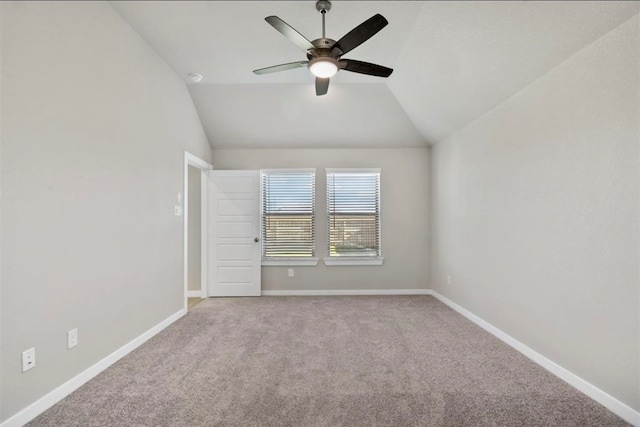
{"x": 353, "y": 207}
{"x": 288, "y": 213}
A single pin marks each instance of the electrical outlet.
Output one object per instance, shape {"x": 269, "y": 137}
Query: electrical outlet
{"x": 291, "y": 273}
{"x": 448, "y": 280}
{"x": 72, "y": 338}
{"x": 28, "y": 359}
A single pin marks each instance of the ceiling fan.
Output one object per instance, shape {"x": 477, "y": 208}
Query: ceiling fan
{"x": 325, "y": 55}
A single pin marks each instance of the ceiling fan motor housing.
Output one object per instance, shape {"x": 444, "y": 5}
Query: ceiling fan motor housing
{"x": 324, "y": 47}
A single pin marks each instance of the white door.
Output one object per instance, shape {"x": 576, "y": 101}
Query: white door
{"x": 234, "y": 233}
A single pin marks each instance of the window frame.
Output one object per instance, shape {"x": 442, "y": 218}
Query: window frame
{"x": 353, "y": 260}
{"x": 288, "y": 261}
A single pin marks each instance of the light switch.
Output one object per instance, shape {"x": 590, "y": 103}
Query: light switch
{"x": 72, "y": 338}
{"x": 177, "y": 210}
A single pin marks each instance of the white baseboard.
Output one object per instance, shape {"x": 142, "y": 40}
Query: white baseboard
{"x": 329, "y": 292}
{"x": 53, "y": 397}
{"x": 194, "y": 294}
{"x": 614, "y": 405}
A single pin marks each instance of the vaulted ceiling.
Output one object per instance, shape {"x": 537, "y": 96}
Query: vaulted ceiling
{"x": 453, "y": 62}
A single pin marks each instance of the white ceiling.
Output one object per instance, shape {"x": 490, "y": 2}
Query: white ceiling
{"x": 453, "y": 62}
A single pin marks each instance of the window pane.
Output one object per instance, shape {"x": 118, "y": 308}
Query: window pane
{"x": 288, "y": 214}
{"x": 353, "y": 205}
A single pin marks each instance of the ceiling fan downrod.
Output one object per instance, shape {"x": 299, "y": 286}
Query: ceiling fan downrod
{"x": 323, "y": 6}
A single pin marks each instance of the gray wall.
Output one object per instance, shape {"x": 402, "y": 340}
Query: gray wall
{"x": 536, "y": 215}
{"x": 94, "y": 126}
{"x": 404, "y": 213}
{"x": 194, "y": 250}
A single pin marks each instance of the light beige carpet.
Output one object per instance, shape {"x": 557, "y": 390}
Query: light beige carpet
{"x": 326, "y": 361}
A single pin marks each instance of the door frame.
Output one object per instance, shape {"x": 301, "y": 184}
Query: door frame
{"x": 205, "y": 167}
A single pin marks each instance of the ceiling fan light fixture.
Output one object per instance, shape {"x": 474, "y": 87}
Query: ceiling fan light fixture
{"x": 323, "y": 67}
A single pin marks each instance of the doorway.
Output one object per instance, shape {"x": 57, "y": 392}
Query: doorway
{"x": 195, "y": 229}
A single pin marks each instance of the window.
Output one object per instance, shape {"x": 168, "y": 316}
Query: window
{"x": 288, "y": 216}
{"x": 353, "y": 216}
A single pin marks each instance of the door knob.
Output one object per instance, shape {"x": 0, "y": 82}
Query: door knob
{"x": 256, "y": 240}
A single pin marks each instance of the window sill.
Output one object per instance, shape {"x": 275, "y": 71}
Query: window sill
{"x": 353, "y": 261}
{"x": 289, "y": 262}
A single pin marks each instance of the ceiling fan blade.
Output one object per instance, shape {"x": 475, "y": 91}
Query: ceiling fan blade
{"x": 322, "y": 85}
{"x": 365, "y": 68}
{"x": 289, "y": 32}
{"x": 362, "y": 33}
{"x": 281, "y": 67}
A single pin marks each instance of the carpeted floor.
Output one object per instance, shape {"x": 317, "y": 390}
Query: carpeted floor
{"x": 325, "y": 361}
